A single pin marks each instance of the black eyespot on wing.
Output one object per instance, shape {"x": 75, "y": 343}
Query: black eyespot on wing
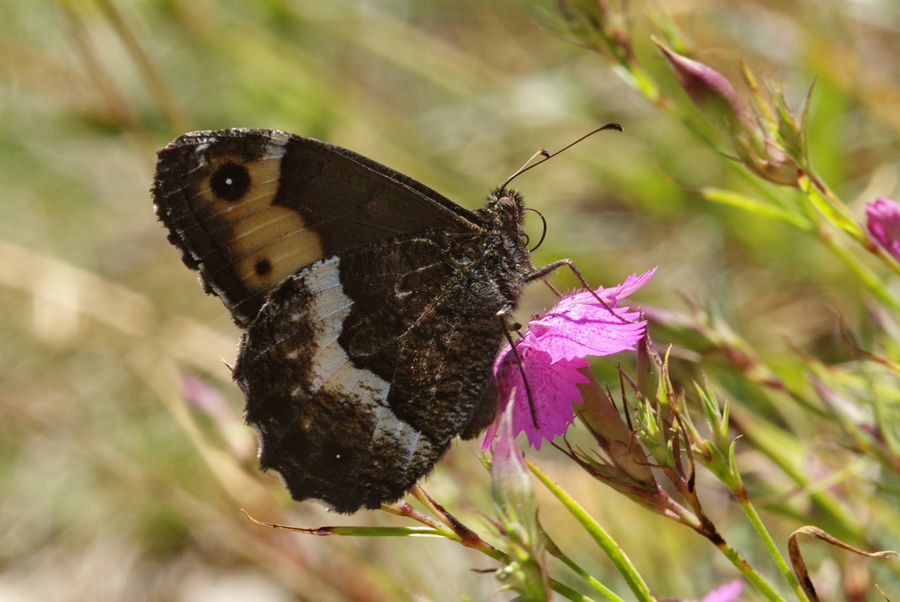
{"x": 230, "y": 182}
{"x": 262, "y": 267}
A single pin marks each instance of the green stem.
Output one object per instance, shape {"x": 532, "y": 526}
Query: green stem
{"x": 755, "y": 519}
{"x": 607, "y": 544}
{"x": 870, "y": 281}
{"x": 434, "y": 528}
{"x": 749, "y": 573}
{"x": 568, "y": 592}
{"x": 705, "y": 528}
{"x": 588, "y": 578}
{"x": 776, "y": 445}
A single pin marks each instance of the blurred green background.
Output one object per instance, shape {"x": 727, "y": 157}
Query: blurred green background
{"x": 113, "y": 486}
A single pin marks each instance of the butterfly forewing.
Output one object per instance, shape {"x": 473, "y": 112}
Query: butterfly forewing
{"x": 371, "y": 305}
{"x": 250, "y": 207}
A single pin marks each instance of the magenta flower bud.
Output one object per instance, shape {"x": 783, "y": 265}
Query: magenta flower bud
{"x": 883, "y": 217}
{"x": 708, "y": 88}
{"x": 512, "y": 487}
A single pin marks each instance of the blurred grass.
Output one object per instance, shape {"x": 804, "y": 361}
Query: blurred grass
{"x": 113, "y": 487}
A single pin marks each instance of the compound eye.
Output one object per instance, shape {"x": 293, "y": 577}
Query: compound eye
{"x": 508, "y": 204}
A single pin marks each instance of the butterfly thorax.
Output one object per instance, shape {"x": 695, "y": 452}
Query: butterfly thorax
{"x": 504, "y": 255}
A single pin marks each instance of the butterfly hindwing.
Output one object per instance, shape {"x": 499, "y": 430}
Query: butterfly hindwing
{"x": 384, "y": 374}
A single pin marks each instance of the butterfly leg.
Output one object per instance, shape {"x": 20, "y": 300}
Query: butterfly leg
{"x": 552, "y": 267}
{"x": 504, "y": 316}
{"x": 541, "y": 272}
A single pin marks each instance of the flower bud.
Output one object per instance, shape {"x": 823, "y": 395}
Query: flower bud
{"x": 709, "y": 89}
{"x": 883, "y": 217}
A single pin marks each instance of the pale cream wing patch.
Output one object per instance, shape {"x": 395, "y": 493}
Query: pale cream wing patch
{"x": 265, "y": 243}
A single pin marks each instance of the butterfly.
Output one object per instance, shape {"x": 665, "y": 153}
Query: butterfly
{"x": 372, "y": 307}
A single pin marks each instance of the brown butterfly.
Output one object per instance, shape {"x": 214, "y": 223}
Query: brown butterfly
{"x": 372, "y": 306}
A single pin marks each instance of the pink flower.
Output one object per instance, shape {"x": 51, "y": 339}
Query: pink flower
{"x": 883, "y": 217}
{"x": 553, "y": 350}
{"x": 724, "y": 593}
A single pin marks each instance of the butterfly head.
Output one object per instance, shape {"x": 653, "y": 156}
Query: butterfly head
{"x": 504, "y": 210}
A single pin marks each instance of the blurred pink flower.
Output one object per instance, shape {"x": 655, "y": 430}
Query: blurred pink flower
{"x": 553, "y": 350}
{"x": 883, "y": 217}
{"x": 724, "y": 593}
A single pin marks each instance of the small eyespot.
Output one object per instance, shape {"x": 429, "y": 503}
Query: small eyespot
{"x": 263, "y": 267}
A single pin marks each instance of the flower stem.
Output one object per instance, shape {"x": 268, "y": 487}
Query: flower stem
{"x": 612, "y": 549}
{"x": 755, "y": 519}
{"x": 763, "y": 586}
{"x": 568, "y": 592}
{"x": 554, "y": 551}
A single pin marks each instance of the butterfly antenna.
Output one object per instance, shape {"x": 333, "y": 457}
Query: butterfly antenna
{"x": 525, "y": 167}
{"x": 547, "y": 155}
